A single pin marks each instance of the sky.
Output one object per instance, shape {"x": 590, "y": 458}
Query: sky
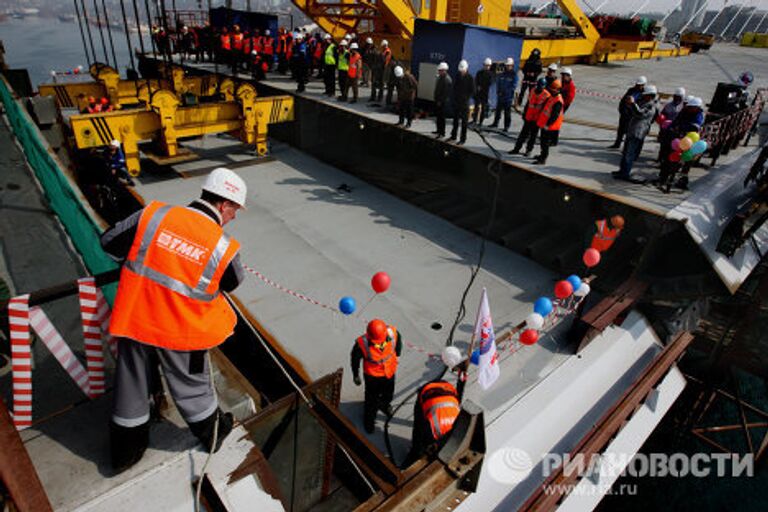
{"x": 630, "y": 6}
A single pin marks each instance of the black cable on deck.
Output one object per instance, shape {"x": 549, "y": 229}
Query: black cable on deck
{"x": 82, "y": 34}
{"x": 109, "y": 33}
{"x": 88, "y": 29}
{"x": 138, "y": 26}
{"x": 101, "y": 32}
{"x": 127, "y": 35}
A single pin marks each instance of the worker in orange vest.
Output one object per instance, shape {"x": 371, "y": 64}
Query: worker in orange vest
{"x": 378, "y": 349}
{"x": 169, "y": 306}
{"x": 537, "y": 97}
{"x": 549, "y": 122}
{"x": 92, "y": 107}
{"x": 225, "y": 46}
{"x": 434, "y": 414}
{"x": 355, "y": 70}
{"x": 268, "y": 49}
{"x": 606, "y": 232}
{"x": 237, "y": 39}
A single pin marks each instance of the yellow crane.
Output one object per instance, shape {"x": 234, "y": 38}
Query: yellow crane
{"x": 164, "y": 122}
{"x": 108, "y": 84}
{"x": 394, "y": 20}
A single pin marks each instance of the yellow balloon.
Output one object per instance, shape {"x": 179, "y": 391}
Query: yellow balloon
{"x": 693, "y": 136}
{"x": 685, "y": 143}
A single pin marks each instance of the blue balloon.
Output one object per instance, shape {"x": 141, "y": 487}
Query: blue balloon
{"x": 575, "y": 281}
{"x": 699, "y": 147}
{"x": 475, "y": 358}
{"x": 347, "y": 305}
{"x": 542, "y": 306}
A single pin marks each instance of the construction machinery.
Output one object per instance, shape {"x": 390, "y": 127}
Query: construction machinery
{"x": 108, "y": 84}
{"x": 165, "y": 121}
{"x": 394, "y": 20}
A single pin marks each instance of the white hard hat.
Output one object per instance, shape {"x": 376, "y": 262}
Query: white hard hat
{"x": 487, "y": 61}
{"x": 115, "y": 143}
{"x": 695, "y": 102}
{"x": 53, "y": 72}
{"x": 510, "y": 61}
{"x": 688, "y": 98}
{"x": 299, "y": 36}
{"x": 463, "y": 65}
{"x": 641, "y": 80}
{"x": 327, "y": 36}
{"x": 368, "y": 40}
{"x": 254, "y": 52}
{"x": 399, "y": 72}
{"x": 566, "y": 71}
{"x": 348, "y": 37}
{"x": 226, "y": 184}
{"x": 353, "y": 46}
{"x": 443, "y": 66}
{"x": 680, "y": 91}
{"x": 343, "y": 42}
{"x": 552, "y": 67}
{"x": 267, "y": 32}
{"x": 650, "y": 90}
{"x": 385, "y": 43}
{"x": 451, "y": 356}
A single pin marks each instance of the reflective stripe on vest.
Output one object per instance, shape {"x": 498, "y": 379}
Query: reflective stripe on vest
{"x": 535, "y": 104}
{"x": 330, "y": 58}
{"x": 386, "y": 364}
{"x": 343, "y": 61}
{"x": 604, "y": 238}
{"x": 547, "y": 111}
{"x": 440, "y": 410}
{"x": 437, "y": 422}
{"x": 237, "y": 41}
{"x": 225, "y": 42}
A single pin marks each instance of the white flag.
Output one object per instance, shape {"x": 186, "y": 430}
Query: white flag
{"x": 488, "y": 365}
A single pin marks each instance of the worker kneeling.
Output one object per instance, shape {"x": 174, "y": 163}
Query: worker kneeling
{"x": 434, "y": 413}
{"x": 169, "y": 308}
{"x": 379, "y": 349}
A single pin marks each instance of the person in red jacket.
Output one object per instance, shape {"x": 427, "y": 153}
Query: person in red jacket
{"x": 268, "y": 49}
{"x": 569, "y": 88}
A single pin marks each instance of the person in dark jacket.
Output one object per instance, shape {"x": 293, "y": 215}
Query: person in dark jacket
{"x": 549, "y": 122}
{"x": 505, "y": 94}
{"x": 300, "y": 59}
{"x": 625, "y": 109}
{"x": 641, "y": 116}
{"x": 531, "y": 71}
{"x": 443, "y": 93}
{"x": 463, "y": 89}
{"x": 376, "y": 65}
{"x": 368, "y": 52}
{"x": 406, "y": 86}
{"x": 537, "y": 97}
{"x": 483, "y": 81}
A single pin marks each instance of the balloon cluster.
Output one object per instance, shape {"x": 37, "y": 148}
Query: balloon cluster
{"x": 73, "y": 71}
{"x": 685, "y": 149}
{"x": 379, "y": 282}
{"x": 543, "y": 307}
{"x": 663, "y": 122}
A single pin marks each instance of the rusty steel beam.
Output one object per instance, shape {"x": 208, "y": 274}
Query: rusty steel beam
{"x": 17, "y": 471}
{"x": 610, "y": 308}
{"x": 554, "y": 489}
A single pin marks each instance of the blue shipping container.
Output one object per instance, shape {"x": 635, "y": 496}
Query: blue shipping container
{"x": 435, "y": 42}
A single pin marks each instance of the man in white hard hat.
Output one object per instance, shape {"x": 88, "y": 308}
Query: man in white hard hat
{"x": 631, "y": 96}
{"x": 177, "y": 261}
{"x": 463, "y": 89}
{"x": 668, "y": 114}
{"x": 641, "y": 115}
{"x": 406, "y": 86}
{"x": 116, "y": 162}
{"x": 568, "y": 89}
{"x": 483, "y": 81}
{"x": 506, "y": 83}
{"x": 551, "y": 75}
{"x": 367, "y": 51}
{"x": 442, "y": 98}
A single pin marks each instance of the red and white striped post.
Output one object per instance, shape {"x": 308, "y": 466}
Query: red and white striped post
{"x": 94, "y": 346}
{"x": 21, "y": 361}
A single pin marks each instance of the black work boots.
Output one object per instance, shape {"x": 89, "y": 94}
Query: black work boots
{"x": 203, "y": 430}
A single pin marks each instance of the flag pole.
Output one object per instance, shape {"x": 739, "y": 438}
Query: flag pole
{"x": 464, "y": 371}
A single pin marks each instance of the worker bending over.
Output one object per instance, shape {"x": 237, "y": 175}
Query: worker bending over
{"x": 606, "y": 232}
{"x": 379, "y": 349}
{"x": 434, "y": 414}
{"x": 176, "y": 262}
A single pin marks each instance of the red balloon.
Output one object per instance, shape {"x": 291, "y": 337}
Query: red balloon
{"x": 529, "y": 337}
{"x": 563, "y": 289}
{"x": 675, "y": 157}
{"x": 591, "y": 257}
{"x": 380, "y": 282}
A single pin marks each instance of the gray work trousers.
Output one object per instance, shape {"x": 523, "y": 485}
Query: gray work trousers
{"x": 192, "y": 392}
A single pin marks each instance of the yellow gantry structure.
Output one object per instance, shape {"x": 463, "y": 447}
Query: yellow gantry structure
{"x": 164, "y": 122}
{"x": 394, "y": 20}
{"x": 108, "y": 84}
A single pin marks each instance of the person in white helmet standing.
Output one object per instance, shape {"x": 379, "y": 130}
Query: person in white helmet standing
{"x": 442, "y": 98}
{"x": 568, "y": 89}
{"x": 368, "y": 52}
{"x": 177, "y": 261}
{"x": 641, "y": 116}
{"x": 463, "y": 89}
{"x": 483, "y": 81}
{"x": 631, "y": 96}
{"x": 506, "y": 83}
{"x": 669, "y": 113}
{"x": 406, "y": 86}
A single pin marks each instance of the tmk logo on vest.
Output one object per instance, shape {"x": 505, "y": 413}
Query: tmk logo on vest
{"x": 188, "y": 250}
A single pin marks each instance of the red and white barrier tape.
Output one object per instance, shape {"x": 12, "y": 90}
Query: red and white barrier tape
{"x": 587, "y": 92}
{"x": 21, "y": 361}
{"x": 282, "y": 288}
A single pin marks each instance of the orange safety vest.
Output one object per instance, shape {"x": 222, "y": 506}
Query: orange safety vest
{"x": 168, "y": 294}
{"x": 604, "y": 238}
{"x": 379, "y": 360}
{"x": 546, "y": 111}
{"x": 237, "y": 39}
{"x": 536, "y": 101}
{"x": 354, "y": 64}
{"x": 387, "y": 56}
{"x": 441, "y": 410}
{"x": 267, "y": 44}
{"x": 226, "y": 43}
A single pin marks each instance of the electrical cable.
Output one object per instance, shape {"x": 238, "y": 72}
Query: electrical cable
{"x": 88, "y": 29}
{"x": 82, "y": 34}
{"x": 109, "y": 33}
{"x": 461, "y": 313}
{"x": 138, "y": 26}
{"x": 101, "y": 32}
{"x": 127, "y": 35}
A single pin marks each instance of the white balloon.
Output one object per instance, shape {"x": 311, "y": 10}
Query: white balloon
{"x": 534, "y": 321}
{"x": 583, "y": 290}
{"x": 451, "y": 356}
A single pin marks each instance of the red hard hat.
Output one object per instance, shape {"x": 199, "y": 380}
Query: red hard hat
{"x": 91, "y": 99}
{"x": 377, "y": 330}
{"x": 104, "y": 101}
